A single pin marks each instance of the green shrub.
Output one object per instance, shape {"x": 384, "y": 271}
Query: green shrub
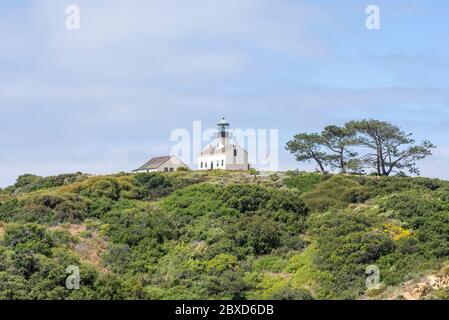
{"x": 255, "y": 235}
{"x": 356, "y": 195}
{"x": 193, "y": 201}
{"x": 132, "y": 225}
{"x": 118, "y": 258}
{"x": 304, "y": 182}
{"x": 347, "y": 243}
{"x": 427, "y": 215}
{"x": 253, "y": 171}
{"x": 52, "y": 207}
{"x": 29, "y": 182}
{"x": 269, "y": 263}
{"x": 219, "y": 235}
{"x": 384, "y": 186}
{"x": 28, "y": 236}
{"x": 155, "y": 184}
{"x": 252, "y": 198}
{"x": 99, "y": 187}
{"x": 290, "y": 293}
{"x": 411, "y": 205}
{"x": 9, "y": 209}
{"x": 336, "y": 192}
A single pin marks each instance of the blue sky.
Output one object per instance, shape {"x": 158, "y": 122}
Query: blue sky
{"x": 105, "y": 98}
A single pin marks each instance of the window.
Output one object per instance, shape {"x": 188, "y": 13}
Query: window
{"x": 205, "y": 164}
{"x": 201, "y": 165}
{"x": 222, "y": 163}
{"x": 218, "y": 163}
{"x": 166, "y": 169}
{"x": 172, "y": 169}
{"x": 235, "y": 152}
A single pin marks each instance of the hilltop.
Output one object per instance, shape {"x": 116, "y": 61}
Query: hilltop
{"x": 224, "y": 235}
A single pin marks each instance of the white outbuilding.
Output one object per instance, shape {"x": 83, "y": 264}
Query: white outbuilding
{"x": 223, "y": 153}
{"x": 162, "y": 164}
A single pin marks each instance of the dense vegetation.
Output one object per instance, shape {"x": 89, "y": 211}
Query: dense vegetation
{"x": 220, "y": 235}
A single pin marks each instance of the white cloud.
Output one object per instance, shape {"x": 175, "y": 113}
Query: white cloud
{"x": 138, "y": 69}
{"x": 193, "y": 42}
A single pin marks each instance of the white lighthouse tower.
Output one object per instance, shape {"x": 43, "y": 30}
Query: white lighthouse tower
{"x": 223, "y": 154}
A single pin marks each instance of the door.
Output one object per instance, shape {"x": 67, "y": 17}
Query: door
{"x": 212, "y": 165}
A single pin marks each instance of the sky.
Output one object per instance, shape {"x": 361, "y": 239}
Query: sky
{"x": 105, "y": 98}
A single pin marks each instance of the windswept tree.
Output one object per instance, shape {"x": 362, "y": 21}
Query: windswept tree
{"x": 309, "y": 147}
{"x": 339, "y": 140}
{"x": 393, "y": 150}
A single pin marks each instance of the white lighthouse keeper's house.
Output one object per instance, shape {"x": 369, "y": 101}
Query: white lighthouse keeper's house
{"x": 223, "y": 153}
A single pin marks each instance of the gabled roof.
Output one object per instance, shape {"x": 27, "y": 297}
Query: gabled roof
{"x": 212, "y": 150}
{"x": 154, "y": 163}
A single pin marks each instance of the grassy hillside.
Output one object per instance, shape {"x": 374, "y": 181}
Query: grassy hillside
{"x": 223, "y": 235}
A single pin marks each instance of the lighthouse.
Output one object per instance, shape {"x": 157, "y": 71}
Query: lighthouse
{"x": 223, "y": 153}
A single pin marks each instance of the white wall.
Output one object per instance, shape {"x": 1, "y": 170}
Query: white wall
{"x": 237, "y": 163}
{"x": 173, "y": 164}
{"x": 230, "y": 162}
{"x": 214, "y": 159}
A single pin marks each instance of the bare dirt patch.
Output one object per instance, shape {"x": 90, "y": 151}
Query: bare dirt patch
{"x": 417, "y": 289}
{"x": 90, "y": 249}
{"x": 425, "y": 286}
{"x": 89, "y": 246}
{"x": 2, "y": 230}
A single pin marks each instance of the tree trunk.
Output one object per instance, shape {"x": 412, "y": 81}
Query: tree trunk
{"x": 320, "y": 164}
{"x": 382, "y": 162}
{"x": 342, "y": 161}
{"x": 322, "y": 167}
{"x": 378, "y": 162}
